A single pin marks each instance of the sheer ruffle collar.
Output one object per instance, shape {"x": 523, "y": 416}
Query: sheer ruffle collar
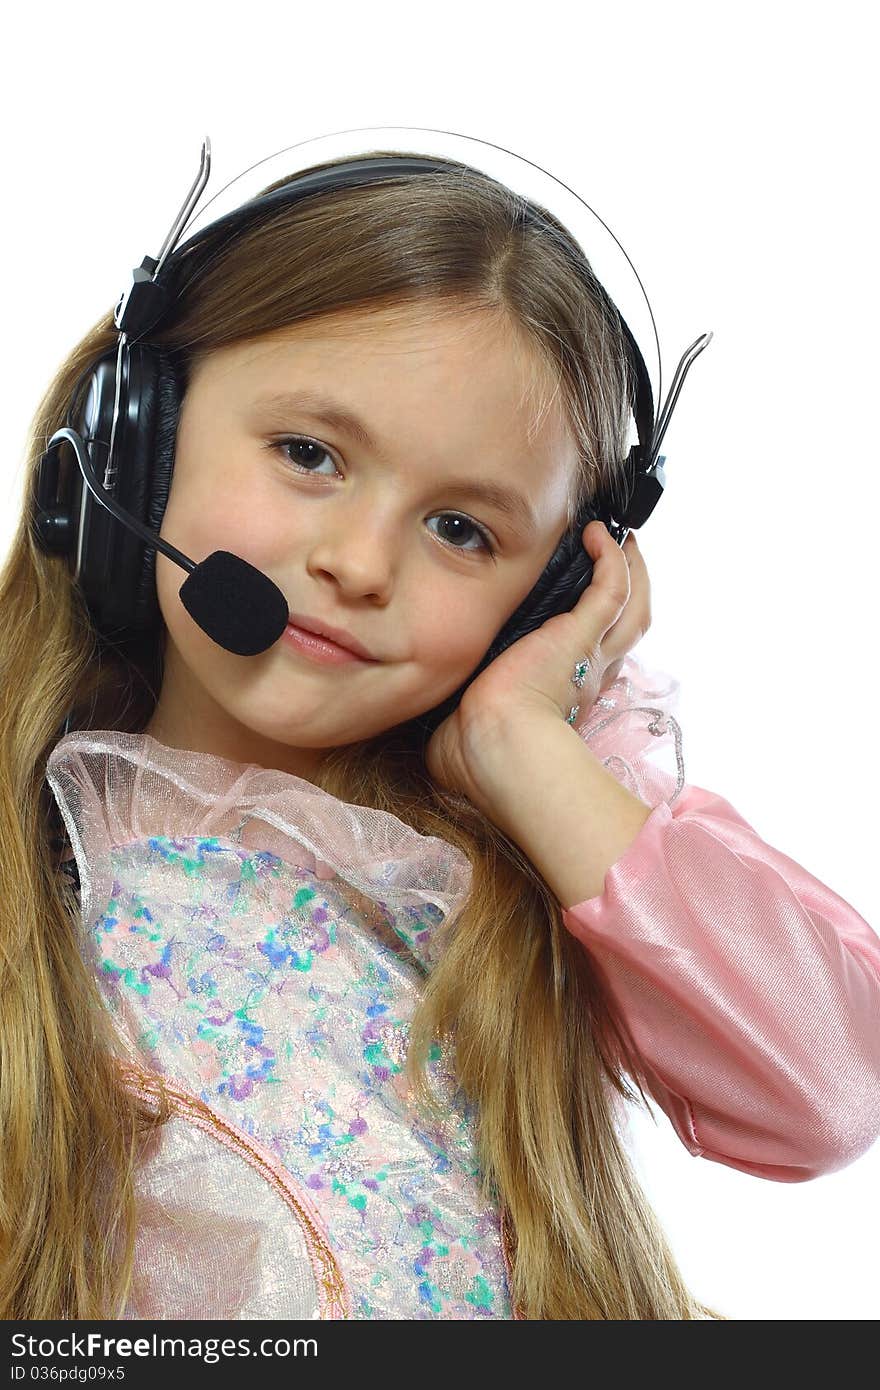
{"x": 114, "y": 789}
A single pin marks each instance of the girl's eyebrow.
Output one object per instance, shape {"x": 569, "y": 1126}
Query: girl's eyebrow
{"x": 512, "y": 503}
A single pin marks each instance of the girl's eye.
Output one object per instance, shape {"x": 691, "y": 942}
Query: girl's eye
{"x": 464, "y": 523}
{"x": 461, "y": 523}
{"x": 301, "y": 442}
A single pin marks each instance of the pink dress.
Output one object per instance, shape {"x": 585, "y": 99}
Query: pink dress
{"x": 262, "y": 946}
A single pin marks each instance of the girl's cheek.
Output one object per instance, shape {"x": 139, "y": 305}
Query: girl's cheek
{"x": 452, "y": 639}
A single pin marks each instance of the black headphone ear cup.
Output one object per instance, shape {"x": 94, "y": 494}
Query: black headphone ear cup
{"x": 111, "y": 554}
{"x": 168, "y": 390}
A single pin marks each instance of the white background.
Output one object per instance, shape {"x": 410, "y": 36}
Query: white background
{"x": 733, "y": 152}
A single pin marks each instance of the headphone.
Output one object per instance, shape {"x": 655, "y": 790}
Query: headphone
{"x": 124, "y": 423}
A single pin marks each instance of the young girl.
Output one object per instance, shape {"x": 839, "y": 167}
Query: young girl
{"x": 341, "y": 1019}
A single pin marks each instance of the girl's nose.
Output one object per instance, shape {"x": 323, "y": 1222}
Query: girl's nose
{"x": 361, "y": 558}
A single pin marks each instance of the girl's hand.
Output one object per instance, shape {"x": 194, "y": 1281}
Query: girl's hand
{"x": 531, "y": 680}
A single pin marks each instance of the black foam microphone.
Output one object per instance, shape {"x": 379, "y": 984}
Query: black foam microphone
{"x": 237, "y": 605}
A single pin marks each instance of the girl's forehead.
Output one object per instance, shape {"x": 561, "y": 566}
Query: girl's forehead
{"x": 433, "y": 326}
{"x": 481, "y": 345}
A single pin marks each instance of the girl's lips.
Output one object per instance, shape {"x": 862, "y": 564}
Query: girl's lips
{"x": 320, "y": 649}
{"x": 336, "y": 636}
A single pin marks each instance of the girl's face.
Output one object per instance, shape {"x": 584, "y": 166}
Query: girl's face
{"x": 381, "y": 538}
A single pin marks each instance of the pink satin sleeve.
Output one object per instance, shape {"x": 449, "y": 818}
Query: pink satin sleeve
{"x": 750, "y": 990}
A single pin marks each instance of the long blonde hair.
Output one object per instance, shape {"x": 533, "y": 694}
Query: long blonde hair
{"x": 537, "y": 1043}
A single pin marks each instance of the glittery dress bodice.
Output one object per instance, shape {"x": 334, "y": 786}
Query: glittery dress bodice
{"x": 262, "y": 946}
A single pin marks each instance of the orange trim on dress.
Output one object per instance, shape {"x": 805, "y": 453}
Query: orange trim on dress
{"x": 333, "y": 1296}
